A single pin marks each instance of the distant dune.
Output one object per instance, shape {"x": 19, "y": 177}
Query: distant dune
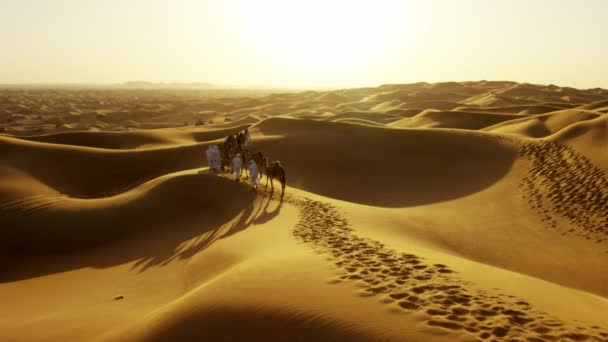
{"x": 545, "y": 124}
{"x": 453, "y": 119}
{"x": 455, "y": 211}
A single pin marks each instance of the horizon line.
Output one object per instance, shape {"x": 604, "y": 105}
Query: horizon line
{"x": 200, "y": 85}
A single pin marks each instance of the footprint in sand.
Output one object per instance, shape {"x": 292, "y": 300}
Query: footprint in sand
{"x": 562, "y": 182}
{"x": 410, "y": 283}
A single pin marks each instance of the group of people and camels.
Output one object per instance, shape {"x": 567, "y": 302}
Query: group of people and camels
{"x": 233, "y": 156}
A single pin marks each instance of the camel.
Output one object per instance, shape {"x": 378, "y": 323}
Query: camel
{"x": 240, "y": 139}
{"x": 245, "y": 158}
{"x": 230, "y": 142}
{"x": 226, "y": 156}
{"x": 275, "y": 170}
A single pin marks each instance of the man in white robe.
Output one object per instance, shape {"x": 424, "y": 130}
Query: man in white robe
{"x": 237, "y": 163}
{"x": 253, "y": 174}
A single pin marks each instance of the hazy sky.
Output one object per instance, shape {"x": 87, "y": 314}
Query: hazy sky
{"x": 304, "y": 42}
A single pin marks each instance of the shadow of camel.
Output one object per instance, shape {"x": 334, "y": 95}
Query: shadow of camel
{"x": 256, "y": 213}
{"x": 159, "y": 244}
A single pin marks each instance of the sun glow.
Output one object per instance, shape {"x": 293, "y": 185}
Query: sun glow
{"x": 303, "y": 43}
{"x": 322, "y": 36}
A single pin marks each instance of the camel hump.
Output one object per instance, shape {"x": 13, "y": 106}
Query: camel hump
{"x": 276, "y": 163}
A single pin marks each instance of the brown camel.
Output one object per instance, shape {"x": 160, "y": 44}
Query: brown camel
{"x": 275, "y": 170}
{"x": 245, "y": 159}
{"x": 230, "y": 142}
{"x": 226, "y": 155}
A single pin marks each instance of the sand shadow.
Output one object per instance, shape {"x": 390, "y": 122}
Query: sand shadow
{"x": 156, "y": 247}
{"x": 255, "y": 213}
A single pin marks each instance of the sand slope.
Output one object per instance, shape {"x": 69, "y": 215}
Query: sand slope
{"x": 453, "y": 119}
{"x": 543, "y": 125}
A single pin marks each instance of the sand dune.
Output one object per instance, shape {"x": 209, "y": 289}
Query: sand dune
{"x": 37, "y": 112}
{"x": 586, "y": 136}
{"x": 406, "y": 113}
{"x": 82, "y": 223}
{"x": 367, "y": 146}
{"x": 492, "y": 99}
{"x": 455, "y": 211}
{"x": 543, "y": 125}
{"x": 521, "y": 109}
{"x": 453, "y": 119}
{"x": 236, "y": 123}
{"x": 112, "y": 140}
{"x": 88, "y": 172}
{"x": 600, "y": 106}
{"x": 360, "y": 122}
{"x": 388, "y": 105}
{"x": 368, "y": 116}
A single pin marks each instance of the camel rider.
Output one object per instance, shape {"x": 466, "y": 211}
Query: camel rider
{"x": 247, "y": 137}
{"x": 253, "y": 174}
{"x": 237, "y": 163}
{"x": 230, "y": 141}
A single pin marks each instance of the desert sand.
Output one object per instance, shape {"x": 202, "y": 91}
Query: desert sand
{"x": 457, "y": 211}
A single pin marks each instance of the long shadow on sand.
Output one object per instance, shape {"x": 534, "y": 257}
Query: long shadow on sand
{"x": 158, "y": 246}
{"x": 257, "y": 212}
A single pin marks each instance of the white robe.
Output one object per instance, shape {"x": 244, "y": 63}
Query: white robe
{"x": 253, "y": 174}
{"x": 210, "y": 156}
{"x": 237, "y": 163}
{"x": 213, "y": 157}
{"x": 217, "y": 158}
